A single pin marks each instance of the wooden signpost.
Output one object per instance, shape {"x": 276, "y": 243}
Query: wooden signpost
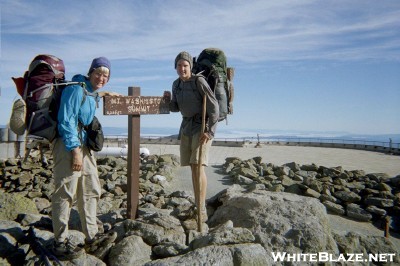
{"x": 134, "y": 105}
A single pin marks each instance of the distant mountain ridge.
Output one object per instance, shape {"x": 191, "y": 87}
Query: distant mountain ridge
{"x": 252, "y": 134}
{"x": 262, "y": 133}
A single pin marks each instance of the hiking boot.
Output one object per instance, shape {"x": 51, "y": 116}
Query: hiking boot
{"x": 66, "y": 250}
{"x": 100, "y": 240}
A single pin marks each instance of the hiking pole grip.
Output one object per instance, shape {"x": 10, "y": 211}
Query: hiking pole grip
{"x": 200, "y": 163}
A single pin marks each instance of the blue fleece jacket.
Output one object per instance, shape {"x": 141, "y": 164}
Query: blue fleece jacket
{"x": 76, "y": 105}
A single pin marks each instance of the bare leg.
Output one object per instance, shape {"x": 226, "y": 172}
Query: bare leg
{"x": 203, "y": 187}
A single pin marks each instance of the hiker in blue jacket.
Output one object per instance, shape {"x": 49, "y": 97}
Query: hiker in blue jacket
{"x": 75, "y": 170}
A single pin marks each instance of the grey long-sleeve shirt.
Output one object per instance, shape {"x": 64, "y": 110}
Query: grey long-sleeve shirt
{"x": 187, "y": 98}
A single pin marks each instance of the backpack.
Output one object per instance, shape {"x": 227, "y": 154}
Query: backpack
{"x": 211, "y": 63}
{"x": 41, "y": 88}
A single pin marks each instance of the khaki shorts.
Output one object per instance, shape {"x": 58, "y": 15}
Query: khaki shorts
{"x": 189, "y": 150}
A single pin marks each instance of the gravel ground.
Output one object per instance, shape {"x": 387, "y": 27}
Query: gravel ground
{"x": 370, "y": 162}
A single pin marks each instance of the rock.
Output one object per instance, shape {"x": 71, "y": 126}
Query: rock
{"x": 158, "y": 179}
{"x": 277, "y": 188}
{"x": 224, "y": 234}
{"x": 378, "y": 177}
{"x": 379, "y": 202}
{"x": 310, "y": 174}
{"x": 228, "y": 168}
{"x": 42, "y": 204}
{"x": 279, "y": 221}
{"x": 271, "y": 178}
{"x": 106, "y": 204}
{"x": 352, "y": 243}
{"x": 355, "y": 185}
{"x": 34, "y": 194}
{"x": 395, "y": 181}
{"x": 10, "y": 234}
{"x": 334, "y": 208}
{"x": 34, "y": 219}
{"x": 311, "y": 193}
{"x": 157, "y": 228}
{"x": 356, "y": 212}
{"x": 241, "y": 254}
{"x": 238, "y": 216}
{"x": 326, "y": 179}
{"x": 287, "y": 181}
{"x": 130, "y": 251}
{"x": 13, "y": 204}
{"x": 309, "y": 167}
{"x": 11, "y": 162}
{"x": 297, "y": 177}
{"x": 169, "y": 249}
{"x": 282, "y": 170}
{"x": 340, "y": 182}
{"x": 376, "y": 210}
{"x": 247, "y": 172}
{"x": 347, "y": 196}
{"x": 293, "y": 166}
{"x": 25, "y": 178}
{"x": 48, "y": 190}
{"x": 166, "y": 158}
{"x": 242, "y": 180}
{"x": 4, "y": 262}
{"x": 384, "y": 187}
{"x": 295, "y": 189}
{"x": 330, "y": 198}
{"x": 369, "y": 191}
{"x": 334, "y": 171}
{"x": 233, "y": 160}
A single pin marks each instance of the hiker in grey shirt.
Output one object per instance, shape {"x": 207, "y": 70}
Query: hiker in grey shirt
{"x": 187, "y": 97}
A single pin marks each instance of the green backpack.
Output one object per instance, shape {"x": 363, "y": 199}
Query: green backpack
{"x": 211, "y": 63}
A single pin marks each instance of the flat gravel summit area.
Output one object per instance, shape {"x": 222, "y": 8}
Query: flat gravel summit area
{"x": 370, "y": 162}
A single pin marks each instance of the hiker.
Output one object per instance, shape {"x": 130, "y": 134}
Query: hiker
{"x": 187, "y": 97}
{"x": 75, "y": 170}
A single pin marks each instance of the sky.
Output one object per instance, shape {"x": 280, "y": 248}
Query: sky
{"x": 325, "y": 66}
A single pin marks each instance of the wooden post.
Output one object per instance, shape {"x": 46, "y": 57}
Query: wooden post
{"x": 134, "y": 105}
{"x": 133, "y": 158}
{"x": 387, "y": 226}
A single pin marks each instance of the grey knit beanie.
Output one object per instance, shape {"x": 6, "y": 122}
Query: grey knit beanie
{"x": 186, "y": 56}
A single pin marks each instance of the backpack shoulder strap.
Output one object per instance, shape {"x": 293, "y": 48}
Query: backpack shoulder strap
{"x": 81, "y": 84}
{"x": 175, "y": 85}
{"x": 196, "y": 82}
{"x": 200, "y": 76}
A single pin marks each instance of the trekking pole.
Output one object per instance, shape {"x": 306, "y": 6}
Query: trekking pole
{"x": 38, "y": 248}
{"x": 200, "y": 165}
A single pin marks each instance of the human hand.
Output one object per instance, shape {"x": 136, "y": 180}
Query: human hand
{"x": 204, "y": 138}
{"x": 230, "y": 109}
{"x": 77, "y": 159}
{"x": 108, "y": 93}
{"x": 167, "y": 96}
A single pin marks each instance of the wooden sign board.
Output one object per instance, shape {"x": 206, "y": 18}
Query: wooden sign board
{"x": 139, "y": 105}
{"x": 134, "y": 105}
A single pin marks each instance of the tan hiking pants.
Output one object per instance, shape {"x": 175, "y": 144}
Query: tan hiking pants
{"x": 72, "y": 186}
